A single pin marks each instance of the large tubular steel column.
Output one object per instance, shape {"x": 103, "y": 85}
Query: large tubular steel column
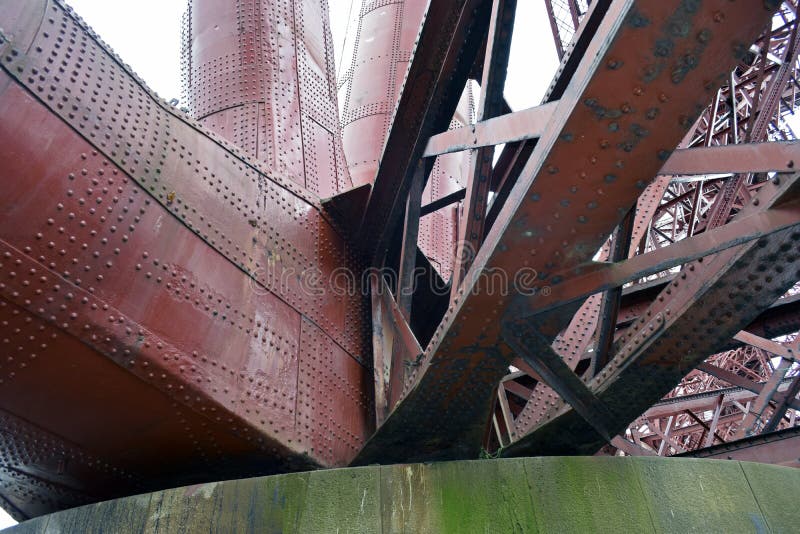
{"x": 384, "y": 44}
{"x": 260, "y": 74}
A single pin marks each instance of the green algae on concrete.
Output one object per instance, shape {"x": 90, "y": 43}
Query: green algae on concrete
{"x": 587, "y": 494}
{"x": 518, "y": 495}
{"x": 457, "y": 497}
{"x": 700, "y": 496}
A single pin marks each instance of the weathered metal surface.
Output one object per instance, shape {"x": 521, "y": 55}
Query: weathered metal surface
{"x": 679, "y": 330}
{"x": 520, "y": 495}
{"x": 260, "y": 74}
{"x": 777, "y": 448}
{"x": 517, "y": 126}
{"x": 161, "y": 313}
{"x": 602, "y": 276}
{"x": 748, "y": 157}
{"x": 394, "y": 347}
{"x": 385, "y": 40}
{"x": 472, "y": 220}
{"x": 597, "y": 156}
{"x": 446, "y": 49}
{"x": 178, "y": 305}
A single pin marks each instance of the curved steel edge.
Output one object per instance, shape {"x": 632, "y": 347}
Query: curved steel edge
{"x": 553, "y": 494}
{"x": 191, "y": 416}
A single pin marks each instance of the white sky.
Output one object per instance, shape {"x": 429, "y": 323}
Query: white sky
{"x": 146, "y": 35}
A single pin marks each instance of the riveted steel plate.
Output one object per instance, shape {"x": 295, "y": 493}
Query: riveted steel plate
{"x": 169, "y": 265}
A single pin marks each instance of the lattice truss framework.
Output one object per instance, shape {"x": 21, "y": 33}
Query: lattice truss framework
{"x": 749, "y": 389}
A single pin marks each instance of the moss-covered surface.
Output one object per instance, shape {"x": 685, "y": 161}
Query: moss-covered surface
{"x": 548, "y": 495}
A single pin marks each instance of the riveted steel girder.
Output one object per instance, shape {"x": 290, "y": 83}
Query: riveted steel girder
{"x": 599, "y": 152}
{"x": 696, "y": 313}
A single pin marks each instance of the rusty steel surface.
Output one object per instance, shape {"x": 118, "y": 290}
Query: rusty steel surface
{"x": 779, "y": 448}
{"x": 260, "y": 74}
{"x": 592, "y": 192}
{"x": 385, "y": 39}
{"x": 156, "y": 323}
{"x": 265, "y": 283}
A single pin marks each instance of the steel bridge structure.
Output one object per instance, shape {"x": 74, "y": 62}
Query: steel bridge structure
{"x": 298, "y": 272}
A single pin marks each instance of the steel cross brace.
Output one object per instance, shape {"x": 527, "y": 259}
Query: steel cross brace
{"x": 508, "y": 128}
{"x": 740, "y": 381}
{"x": 789, "y": 401}
{"x": 604, "y": 276}
{"x": 445, "y": 51}
{"x": 473, "y": 218}
{"x": 693, "y": 316}
{"x": 526, "y": 340}
{"x": 446, "y": 402}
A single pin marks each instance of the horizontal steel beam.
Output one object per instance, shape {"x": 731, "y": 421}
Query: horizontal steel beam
{"x": 742, "y": 382}
{"x": 439, "y": 203}
{"x": 778, "y": 349}
{"x": 778, "y": 448}
{"x": 742, "y": 158}
{"x": 698, "y": 403}
{"x": 515, "y": 126}
{"x": 603, "y": 276}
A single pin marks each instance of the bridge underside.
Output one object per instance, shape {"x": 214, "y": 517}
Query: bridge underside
{"x": 185, "y": 299}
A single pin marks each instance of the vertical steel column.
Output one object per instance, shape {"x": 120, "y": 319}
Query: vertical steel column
{"x": 495, "y": 65}
{"x": 551, "y": 16}
{"x": 609, "y": 307}
{"x": 761, "y": 404}
{"x": 260, "y": 74}
{"x": 408, "y": 252}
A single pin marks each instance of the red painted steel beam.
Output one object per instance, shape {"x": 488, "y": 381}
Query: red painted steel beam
{"x": 697, "y": 313}
{"x": 740, "y": 381}
{"x": 588, "y": 169}
{"x": 609, "y": 307}
{"x": 778, "y": 448}
{"x": 446, "y": 49}
{"x": 742, "y": 158}
{"x": 604, "y": 276}
{"x": 508, "y": 128}
{"x": 697, "y": 403}
{"x": 471, "y": 222}
{"x": 514, "y": 156}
